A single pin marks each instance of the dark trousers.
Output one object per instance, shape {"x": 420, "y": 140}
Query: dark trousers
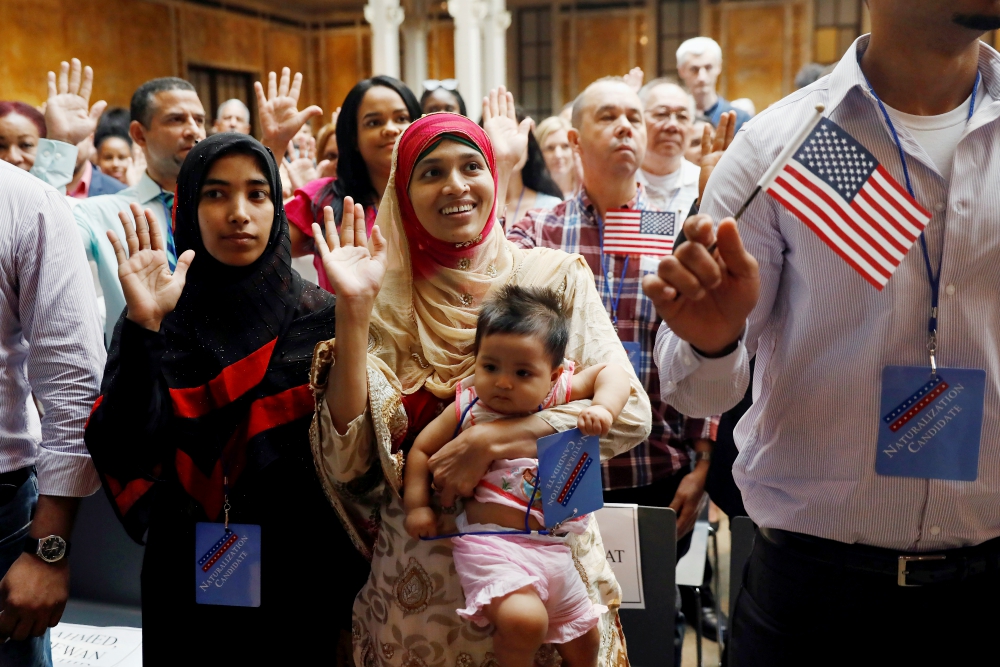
{"x": 15, "y": 521}
{"x": 793, "y": 610}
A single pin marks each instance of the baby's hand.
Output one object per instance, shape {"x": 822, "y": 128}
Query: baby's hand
{"x": 595, "y": 420}
{"x": 421, "y": 522}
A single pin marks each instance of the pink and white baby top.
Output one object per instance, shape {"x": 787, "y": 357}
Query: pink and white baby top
{"x": 510, "y": 481}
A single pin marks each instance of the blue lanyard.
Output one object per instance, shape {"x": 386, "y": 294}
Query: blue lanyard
{"x": 613, "y": 298}
{"x": 935, "y": 279}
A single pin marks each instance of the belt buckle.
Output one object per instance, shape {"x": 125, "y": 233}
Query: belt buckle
{"x": 901, "y": 569}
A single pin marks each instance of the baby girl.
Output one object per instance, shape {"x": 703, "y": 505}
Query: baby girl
{"x": 525, "y": 584}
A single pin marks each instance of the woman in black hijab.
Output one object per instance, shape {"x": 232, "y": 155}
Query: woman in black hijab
{"x": 202, "y": 425}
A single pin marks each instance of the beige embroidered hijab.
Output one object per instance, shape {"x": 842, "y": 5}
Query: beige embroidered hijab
{"x": 424, "y": 321}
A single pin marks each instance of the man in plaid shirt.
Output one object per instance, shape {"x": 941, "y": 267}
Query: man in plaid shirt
{"x": 610, "y": 135}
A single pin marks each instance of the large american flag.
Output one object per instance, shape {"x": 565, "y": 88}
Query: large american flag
{"x": 835, "y": 186}
{"x": 634, "y": 232}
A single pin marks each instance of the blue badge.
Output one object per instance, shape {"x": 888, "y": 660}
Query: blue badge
{"x": 569, "y": 464}
{"x": 227, "y": 564}
{"x": 634, "y": 351}
{"x": 930, "y": 425}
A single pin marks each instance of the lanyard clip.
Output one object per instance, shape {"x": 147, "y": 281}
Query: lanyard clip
{"x": 226, "y": 507}
{"x": 932, "y": 349}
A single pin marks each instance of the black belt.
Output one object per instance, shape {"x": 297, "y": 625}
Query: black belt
{"x": 908, "y": 568}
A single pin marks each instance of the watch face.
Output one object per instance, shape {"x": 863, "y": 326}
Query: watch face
{"x": 51, "y": 548}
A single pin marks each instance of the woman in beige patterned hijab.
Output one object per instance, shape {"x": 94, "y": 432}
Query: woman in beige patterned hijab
{"x": 406, "y": 314}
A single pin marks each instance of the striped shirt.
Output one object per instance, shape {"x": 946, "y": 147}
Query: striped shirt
{"x": 822, "y": 335}
{"x": 50, "y": 339}
{"x": 573, "y": 226}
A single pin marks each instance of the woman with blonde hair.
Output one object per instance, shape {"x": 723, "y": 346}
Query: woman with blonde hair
{"x": 407, "y": 305}
{"x": 553, "y": 137}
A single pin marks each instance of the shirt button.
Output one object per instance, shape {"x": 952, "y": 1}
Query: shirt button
{"x": 939, "y": 206}
{"x": 935, "y": 530}
{"x": 949, "y": 290}
{"x": 688, "y": 359}
{"x": 669, "y": 386}
{"x": 610, "y": 276}
{"x": 959, "y": 206}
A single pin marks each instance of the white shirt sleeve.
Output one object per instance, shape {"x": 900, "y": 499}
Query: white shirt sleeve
{"x": 54, "y": 163}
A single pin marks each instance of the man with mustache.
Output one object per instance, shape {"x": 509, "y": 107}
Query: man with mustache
{"x": 168, "y": 119}
{"x": 858, "y": 560}
{"x": 609, "y": 132}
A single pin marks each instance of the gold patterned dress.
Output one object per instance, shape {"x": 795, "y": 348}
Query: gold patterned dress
{"x": 421, "y": 339}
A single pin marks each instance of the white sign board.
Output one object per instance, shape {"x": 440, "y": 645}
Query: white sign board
{"x": 74, "y": 644}
{"x": 619, "y": 524}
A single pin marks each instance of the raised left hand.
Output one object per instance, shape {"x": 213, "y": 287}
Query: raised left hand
{"x": 713, "y": 146}
{"x": 634, "y": 78}
{"x": 33, "y": 596}
{"x": 509, "y": 138}
{"x": 280, "y": 118}
{"x": 68, "y": 114}
{"x": 303, "y": 169}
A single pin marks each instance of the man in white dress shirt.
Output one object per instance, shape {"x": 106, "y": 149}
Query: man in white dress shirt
{"x": 671, "y": 181}
{"x": 854, "y": 561}
{"x": 50, "y": 347}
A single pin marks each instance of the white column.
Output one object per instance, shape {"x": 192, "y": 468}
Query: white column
{"x": 415, "y": 46}
{"x": 385, "y": 17}
{"x": 468, "y": 15}
{"x": 495, "y": 44}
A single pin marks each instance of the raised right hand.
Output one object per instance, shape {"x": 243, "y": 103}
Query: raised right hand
{"x": 354, "y": 272}
{"x": 704, "y": 297}
{"x": 150, "y": 290}
{"x": 68, "y": 114}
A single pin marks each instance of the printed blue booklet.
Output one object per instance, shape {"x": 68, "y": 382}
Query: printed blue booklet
{"x": 569, "y": 464}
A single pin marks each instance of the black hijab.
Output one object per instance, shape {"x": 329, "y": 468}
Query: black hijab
{"x": 238, "y": 349}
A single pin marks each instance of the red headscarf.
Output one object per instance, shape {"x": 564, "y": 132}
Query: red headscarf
{"x": 427, "y": 252}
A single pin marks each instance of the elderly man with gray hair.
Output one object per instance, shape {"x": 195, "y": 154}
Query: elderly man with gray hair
{"x": 699, "y": 63}
{"x": 233, "y": 116}
{"x": 671, "y": 181}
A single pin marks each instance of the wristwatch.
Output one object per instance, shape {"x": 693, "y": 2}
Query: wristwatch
{"x": 703, "y": 456}
{"x": 51, "y": 549}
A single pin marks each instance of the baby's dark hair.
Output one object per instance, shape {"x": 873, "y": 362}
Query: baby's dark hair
{"x": 526, "y": 311}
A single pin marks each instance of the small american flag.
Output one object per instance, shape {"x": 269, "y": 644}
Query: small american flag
{"x": 634, "y": 232}
{"x": 841, "y": 192}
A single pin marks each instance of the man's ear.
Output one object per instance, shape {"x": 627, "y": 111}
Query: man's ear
{"x": 573, "y": 135}
{"x": 137, "y": 132}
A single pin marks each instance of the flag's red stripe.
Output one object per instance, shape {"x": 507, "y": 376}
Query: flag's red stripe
{"x": 877, "y": 187}
{"x": 845, "y": 215}
{"x": 234, "y": 381}
{"x": 827, "y": 240}
{"x": 874, "y": 203}
{"x": 818, "y": 212}
{"x": 919, "y": 211}
{"x": 881, "y": 223}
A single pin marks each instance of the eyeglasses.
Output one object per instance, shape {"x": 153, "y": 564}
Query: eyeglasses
{"x": 447, "y": 84}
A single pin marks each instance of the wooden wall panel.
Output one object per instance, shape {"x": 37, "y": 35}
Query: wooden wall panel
{"x": 347, "y": 61}
{"x": 126, "y": 44}
{"x": 754, "y": 59}
{"x": 623, "y": 41}
{"x": 440, "y": 52}
{"x": 285, "y": 48}
{"x": 219, "y": 39}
